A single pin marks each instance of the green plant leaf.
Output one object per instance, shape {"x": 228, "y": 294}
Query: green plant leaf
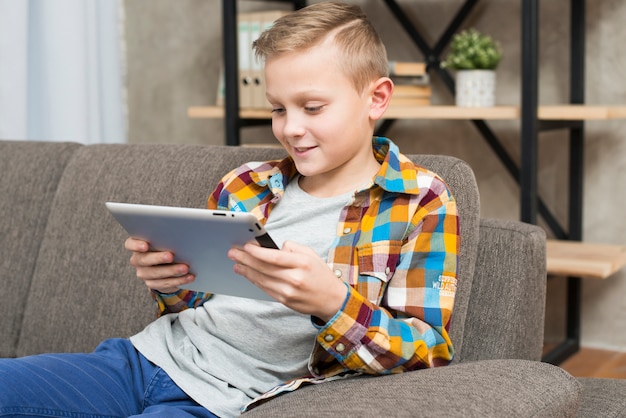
{"x": 471, "y": 50}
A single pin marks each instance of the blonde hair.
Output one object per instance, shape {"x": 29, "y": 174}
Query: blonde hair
{"x": 365, "y": 57}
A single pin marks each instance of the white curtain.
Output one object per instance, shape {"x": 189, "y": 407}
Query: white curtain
{"x": 62, "y": 71}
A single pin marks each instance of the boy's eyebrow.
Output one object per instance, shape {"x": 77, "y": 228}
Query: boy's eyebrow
{"x": 304, "y": 94}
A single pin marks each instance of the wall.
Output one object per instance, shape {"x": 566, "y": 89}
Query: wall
{"x": 174, "y": 53}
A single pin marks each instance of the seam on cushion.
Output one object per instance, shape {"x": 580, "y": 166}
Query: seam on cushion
{"x": 73, "y": 147}
{"x": 573, "y": 382}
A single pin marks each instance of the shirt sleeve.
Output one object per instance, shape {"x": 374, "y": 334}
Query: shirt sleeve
{"x": 183, "y": 298}
{"x": 408, "y": 330}
{"x": 249, "y": 197}
{"x": 178, "y": 301}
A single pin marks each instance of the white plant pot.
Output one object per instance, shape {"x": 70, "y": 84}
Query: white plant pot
{"x": 475, "y": 88}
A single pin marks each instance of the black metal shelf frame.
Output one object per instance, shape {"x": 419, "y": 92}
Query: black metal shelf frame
{"x": 525, "y": 173}
{"x": 232, "y": 121}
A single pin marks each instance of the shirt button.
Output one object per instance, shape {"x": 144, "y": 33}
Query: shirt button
{"x": 340, "y": 347}
{"x": 387, "y": 270}
{"x": 328, "y": 338}
{"x": 347, "y": 230}
{"x": 337, "y": 273}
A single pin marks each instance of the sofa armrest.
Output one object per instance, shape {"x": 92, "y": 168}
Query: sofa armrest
{"x": 490, "y": 388}
{"x": 505, "y": 317}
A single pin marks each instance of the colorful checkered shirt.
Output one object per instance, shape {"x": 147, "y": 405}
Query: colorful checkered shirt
{"x": 396, "y": 248}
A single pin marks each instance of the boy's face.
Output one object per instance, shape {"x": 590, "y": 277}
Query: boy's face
{"x": 319, "y": 117}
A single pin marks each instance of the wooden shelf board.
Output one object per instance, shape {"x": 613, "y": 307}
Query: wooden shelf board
{"x": 581, "y": 112}
{"x": 393, "y": 112}
{"x": 452, "y": 112}
{"x": 583, "y": 259}
{"x": 217, "y": 112}
{"x": 551, "y": 112}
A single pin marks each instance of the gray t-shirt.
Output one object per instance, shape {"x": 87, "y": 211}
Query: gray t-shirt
{"x": 230, "y": 350}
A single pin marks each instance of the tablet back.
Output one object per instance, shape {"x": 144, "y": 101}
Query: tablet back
{"x": 199, "y": 238}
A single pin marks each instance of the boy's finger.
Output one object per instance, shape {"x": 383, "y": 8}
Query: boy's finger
{"x": 136, "y": 245}
{"x": 170, "y": 284}
{"x": 163, "y": 272}
{"x": 265, "y": 259}
{"x": 148, "y": 259}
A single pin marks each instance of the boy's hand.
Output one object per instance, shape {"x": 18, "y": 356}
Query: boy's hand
{"x": 295, "y": 276}
{"x": 155, "y": 268}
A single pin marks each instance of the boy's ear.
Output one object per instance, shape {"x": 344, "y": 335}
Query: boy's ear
{"x": 381, "y": 91}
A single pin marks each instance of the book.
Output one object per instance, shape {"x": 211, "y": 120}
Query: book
{"x": 405, "y": 68}
{"x": 409, "y": 101}
{"x": 405, "y": 72}
{"x": 411, "y": 90}
{"x": 411, "y": 95}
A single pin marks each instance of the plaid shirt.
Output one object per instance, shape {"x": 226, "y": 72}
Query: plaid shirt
{"x": 396, "y": 249}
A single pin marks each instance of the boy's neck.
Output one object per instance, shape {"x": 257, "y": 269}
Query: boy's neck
{"x": 334, "y": 185}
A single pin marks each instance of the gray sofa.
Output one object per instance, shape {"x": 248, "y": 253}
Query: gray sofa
{"x": 68, "y": 284}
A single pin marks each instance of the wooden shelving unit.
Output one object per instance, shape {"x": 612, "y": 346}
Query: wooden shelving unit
{"x": 556, "y": 112}
{"x": 565, "y": 253}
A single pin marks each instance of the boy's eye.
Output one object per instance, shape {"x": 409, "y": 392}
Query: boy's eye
{"x": 278, "y": 110}
{"x": 313, "y": 109}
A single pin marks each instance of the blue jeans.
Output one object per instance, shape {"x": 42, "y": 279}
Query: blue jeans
{"x": 113, "y": 381}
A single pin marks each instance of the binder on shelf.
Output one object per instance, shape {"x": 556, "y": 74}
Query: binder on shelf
{"x": 263, "y": 20}
{"x": 250, "y": 72}
{"x": 221, "y": 88}
{"x": 257, "y": 87}
{"x": 244, "y": 51}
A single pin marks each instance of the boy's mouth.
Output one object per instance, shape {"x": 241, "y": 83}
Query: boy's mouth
{"x": 301, "y": 150}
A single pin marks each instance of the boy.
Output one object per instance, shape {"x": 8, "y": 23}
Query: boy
{"x": 366, "y": 241}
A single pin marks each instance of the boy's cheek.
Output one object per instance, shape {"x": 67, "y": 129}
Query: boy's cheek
{"x": 277, "y": 130}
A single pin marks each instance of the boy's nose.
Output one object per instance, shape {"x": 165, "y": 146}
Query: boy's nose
{"x": 294, "y": 127}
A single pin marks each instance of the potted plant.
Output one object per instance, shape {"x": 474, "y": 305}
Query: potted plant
{"x": 474, "y": 57}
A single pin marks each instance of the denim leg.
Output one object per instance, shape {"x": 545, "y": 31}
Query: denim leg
{"x": 110, "y": 382}
{"x": 164, "y": 399}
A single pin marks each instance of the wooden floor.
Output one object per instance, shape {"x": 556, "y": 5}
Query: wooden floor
{"x": 591, "y": 362}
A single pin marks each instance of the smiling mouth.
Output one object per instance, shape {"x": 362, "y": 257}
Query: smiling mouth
{"x": 302, "y": 149}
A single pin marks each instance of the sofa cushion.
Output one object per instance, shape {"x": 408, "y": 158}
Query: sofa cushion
{"x": 495, "y": 388}
{"x": 83, "y": 289}
{"x": 29, "y": 174}
{"x": 603, "y": 398}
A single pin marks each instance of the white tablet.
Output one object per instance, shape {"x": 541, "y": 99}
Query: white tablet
{"x": 199, "y": 238}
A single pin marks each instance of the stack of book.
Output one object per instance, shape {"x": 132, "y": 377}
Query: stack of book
{"x": 411, "y": 84}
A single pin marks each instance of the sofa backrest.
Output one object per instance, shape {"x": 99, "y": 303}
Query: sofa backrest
{"x": 29, "y": 175}
{"x": 83, "y": 289}
{"x": 506, "y": 317}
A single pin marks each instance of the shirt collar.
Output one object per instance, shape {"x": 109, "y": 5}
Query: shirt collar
{"x": 397, "y": 173}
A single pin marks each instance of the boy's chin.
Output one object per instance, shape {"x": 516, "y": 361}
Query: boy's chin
{"x": 307, "y": 170}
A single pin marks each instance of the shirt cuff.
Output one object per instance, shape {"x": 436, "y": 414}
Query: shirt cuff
{"x": 344, "y": 333}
